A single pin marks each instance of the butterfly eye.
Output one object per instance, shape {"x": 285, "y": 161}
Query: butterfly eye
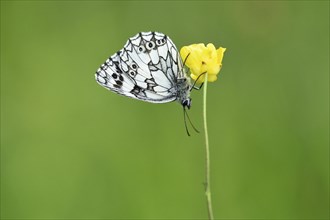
{"x": 141, "y": 49}
{"x": 150, "y": 45}
{"x": 187, "y": 103}
{"x": 134, "y": 66}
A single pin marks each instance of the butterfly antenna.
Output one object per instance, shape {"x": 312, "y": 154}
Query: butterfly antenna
{"x": 185, "y": 122}
{"x": 184, "y": 62}
{"x": 185, "y": 59}
{"x": 193, "y": 86}
{"x": 192, "y": 125}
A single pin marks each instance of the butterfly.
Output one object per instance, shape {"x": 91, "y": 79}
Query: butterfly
{"x": 148, "y": 68}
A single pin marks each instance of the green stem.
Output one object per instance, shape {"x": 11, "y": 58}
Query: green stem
{"x": 207, "y": 158}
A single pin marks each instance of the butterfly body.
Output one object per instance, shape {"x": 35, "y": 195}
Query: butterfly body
{"x": 148, "y": 68}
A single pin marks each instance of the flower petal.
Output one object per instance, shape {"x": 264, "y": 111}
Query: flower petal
{"x": 202, "y": 59}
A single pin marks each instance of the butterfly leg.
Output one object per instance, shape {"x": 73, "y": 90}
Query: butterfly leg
{"x": 195, "y": 87}
{"x": 198, "y": 88}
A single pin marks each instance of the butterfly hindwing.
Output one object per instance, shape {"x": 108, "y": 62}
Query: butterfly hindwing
{"x": 110, "y": 76}
{"x": 147, "y": 68}
{"x": 144, "y": 51}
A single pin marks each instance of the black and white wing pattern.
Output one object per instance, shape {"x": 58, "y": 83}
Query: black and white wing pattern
{"x": 148, "y": 68}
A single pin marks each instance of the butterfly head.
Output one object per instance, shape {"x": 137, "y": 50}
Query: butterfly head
{"x": 186, "y": 102}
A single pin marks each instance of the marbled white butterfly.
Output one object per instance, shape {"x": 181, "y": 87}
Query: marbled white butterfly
{"x": 148, "y": 68}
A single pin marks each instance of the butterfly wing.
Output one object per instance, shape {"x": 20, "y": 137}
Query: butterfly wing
{"x": 146, "y": 68}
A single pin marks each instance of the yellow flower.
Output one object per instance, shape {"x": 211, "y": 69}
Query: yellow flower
{"x": 203, "y": 59}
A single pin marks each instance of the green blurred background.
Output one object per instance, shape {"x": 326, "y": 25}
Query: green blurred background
{"x": 71, "y": 149}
